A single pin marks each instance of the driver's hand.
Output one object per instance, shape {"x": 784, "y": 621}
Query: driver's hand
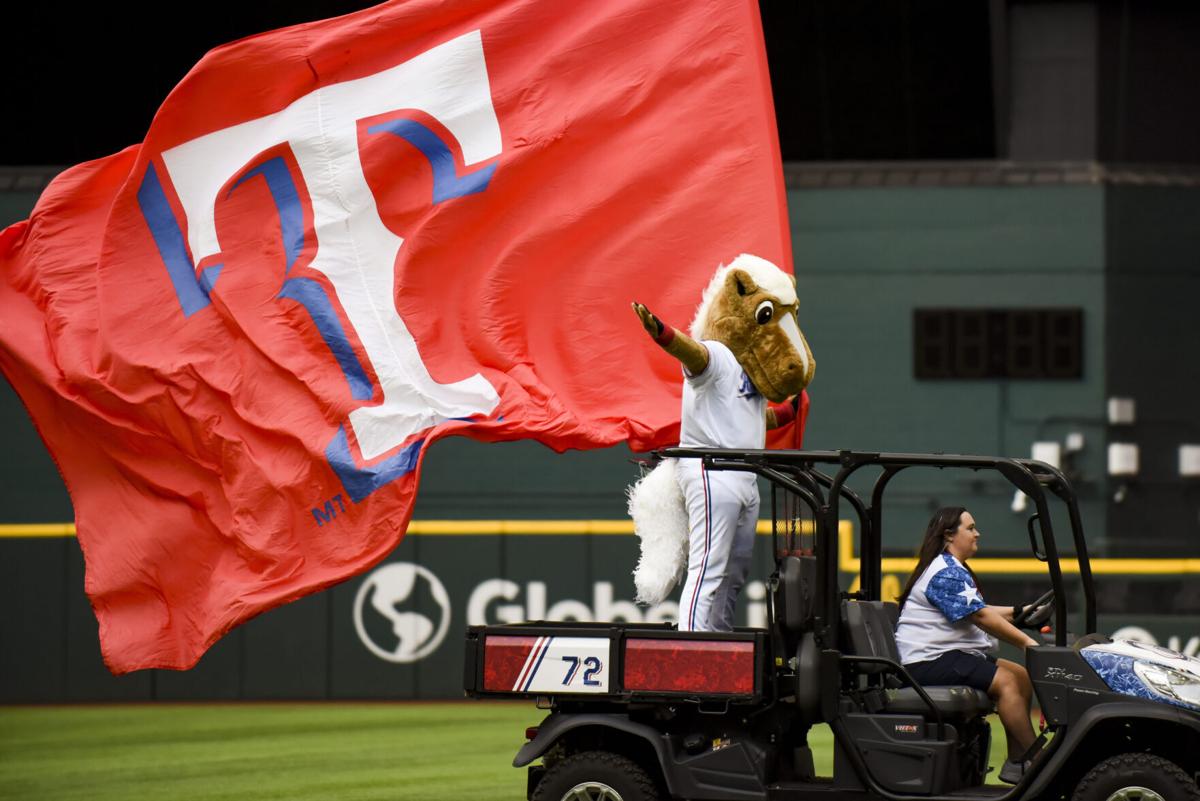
{"x": 1039, "y": 617}
{"x": 1034, "y": 619}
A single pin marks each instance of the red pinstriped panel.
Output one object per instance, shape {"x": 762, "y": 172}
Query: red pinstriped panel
{"x": 503, "y": 658}
{"x": 694, "y": 666}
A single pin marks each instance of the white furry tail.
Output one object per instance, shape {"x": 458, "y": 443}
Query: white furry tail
{"x": 660, "y": 519}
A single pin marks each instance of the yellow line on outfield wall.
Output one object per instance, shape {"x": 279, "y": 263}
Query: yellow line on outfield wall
{"x": 37, "y": 530}
{"x": 423, "y": 527}
{"x": 444, "y": 527}
{"x": 450, "y": 527}
{"x": 847, "y": 560}
{"x": 848, "y": 563}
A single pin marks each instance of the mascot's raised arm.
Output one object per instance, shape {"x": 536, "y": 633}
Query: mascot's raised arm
{"x": 745, "y": 349}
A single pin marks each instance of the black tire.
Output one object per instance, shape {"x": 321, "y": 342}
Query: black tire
{"x": 1136, "y": 777}
{"x": 596, "y": 776}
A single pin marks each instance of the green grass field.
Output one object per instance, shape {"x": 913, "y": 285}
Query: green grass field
{"x": 332, "y": 752}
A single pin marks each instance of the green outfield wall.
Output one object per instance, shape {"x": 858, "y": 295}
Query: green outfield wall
{"x": 398, "y": 630}
{"x": 866, "y": 256}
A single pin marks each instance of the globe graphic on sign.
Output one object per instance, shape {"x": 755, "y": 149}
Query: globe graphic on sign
{"x": 388, "y": 597}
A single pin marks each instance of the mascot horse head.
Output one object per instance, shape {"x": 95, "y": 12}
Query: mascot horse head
{"x": 750, "y": 306}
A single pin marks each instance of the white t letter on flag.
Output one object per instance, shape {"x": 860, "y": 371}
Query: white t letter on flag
{"x": 356, "y": 251}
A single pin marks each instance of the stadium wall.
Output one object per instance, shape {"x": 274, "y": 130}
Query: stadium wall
{"x": 1153, "y": 342}
{"x": 445, "y": 575}
{"x": 872, "y": 243}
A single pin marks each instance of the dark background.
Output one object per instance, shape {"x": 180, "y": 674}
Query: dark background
{"x": 84, "y": 81}
{"x": 853, "y": 79}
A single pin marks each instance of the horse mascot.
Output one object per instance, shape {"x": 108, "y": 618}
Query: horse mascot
{"x": 745, "y": 349}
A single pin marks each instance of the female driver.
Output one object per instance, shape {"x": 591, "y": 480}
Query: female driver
{"x": 944, "y": 627}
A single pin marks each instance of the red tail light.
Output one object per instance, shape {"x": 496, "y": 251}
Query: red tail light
{"x": 531, "y": 732}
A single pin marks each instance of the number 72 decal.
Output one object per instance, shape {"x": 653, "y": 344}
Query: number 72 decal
{"x": 564, "y": 665}
{"x": 591, "y": 666}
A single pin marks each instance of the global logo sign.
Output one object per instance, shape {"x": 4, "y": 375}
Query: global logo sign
{"x": 402, "y": 612}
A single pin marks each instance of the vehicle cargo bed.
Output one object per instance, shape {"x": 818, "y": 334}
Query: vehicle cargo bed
{"x": 613, "y": 661}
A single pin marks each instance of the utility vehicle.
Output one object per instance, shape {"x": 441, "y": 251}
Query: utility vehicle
{"x": 644, "y": 712}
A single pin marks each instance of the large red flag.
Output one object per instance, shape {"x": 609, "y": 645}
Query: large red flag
{"x": 342, "y": 241}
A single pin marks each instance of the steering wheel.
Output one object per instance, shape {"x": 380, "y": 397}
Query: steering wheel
{"x": 1034, "y": 615}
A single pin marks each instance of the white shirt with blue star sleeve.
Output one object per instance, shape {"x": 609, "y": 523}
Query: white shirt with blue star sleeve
{"x": 936, "y": 617}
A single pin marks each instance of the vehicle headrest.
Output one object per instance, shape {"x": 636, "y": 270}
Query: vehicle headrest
{"x": 794, "y": 599}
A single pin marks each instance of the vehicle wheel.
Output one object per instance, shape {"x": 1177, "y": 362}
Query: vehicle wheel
{"x": 1136, "y": 777}
{"x": 596, "y": 776}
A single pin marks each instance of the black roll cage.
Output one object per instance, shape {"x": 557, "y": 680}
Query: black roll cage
{"x": 798, "y": 473}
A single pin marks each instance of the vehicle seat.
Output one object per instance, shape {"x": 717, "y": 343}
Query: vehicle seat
{"x": 794, "y": 595}
{"x": 870, "y": 630}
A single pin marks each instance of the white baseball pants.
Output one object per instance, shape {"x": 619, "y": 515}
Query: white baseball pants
{"x": 722, "y": 509}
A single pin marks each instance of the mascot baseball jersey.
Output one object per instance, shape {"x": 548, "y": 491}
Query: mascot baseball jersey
{"x": 721, "y": 407}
